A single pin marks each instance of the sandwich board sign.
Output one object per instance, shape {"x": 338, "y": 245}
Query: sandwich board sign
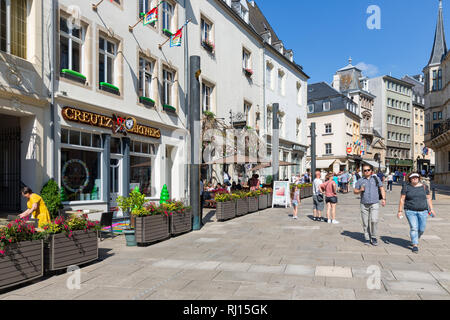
{"x": 281, "y": 194}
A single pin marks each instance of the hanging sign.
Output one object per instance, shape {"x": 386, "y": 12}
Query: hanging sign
{"x": 116, "y": 123}
{"x": 281, "y": 194}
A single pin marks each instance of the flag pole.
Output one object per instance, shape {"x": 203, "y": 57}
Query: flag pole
{"x": 130, "y": 28}
{"x": 94, "y": 6}
{"x": 162, "y": 44}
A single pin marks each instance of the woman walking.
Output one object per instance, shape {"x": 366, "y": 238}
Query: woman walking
{"x": 416, "y": 201}
{"x": 296, "y": 201}
{"x": 390, "y": 181}
{"x": 330, "y": 189}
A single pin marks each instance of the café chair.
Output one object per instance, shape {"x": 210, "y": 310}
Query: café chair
{"x": 106, "y": 220}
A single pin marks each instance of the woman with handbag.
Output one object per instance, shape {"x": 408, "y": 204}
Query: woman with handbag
{"x": 416, "y": 201}
{"x": 318, "y": 200}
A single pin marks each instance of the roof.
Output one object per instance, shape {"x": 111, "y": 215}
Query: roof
{"x": 349, "y": 66}
{"x": 397, "y": 80}
{"x": 259, "y": 22}
{"x": 419, "y": 88}
{"x": 321, "y": 90}
{"x": 377, "y": 134}
{"x": 439, "y": 45}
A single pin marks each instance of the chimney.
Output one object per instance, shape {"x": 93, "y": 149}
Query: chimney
{"x": 337, "y": 82}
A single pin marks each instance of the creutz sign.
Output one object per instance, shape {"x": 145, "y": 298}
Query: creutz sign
{"x": 116, "y": 123}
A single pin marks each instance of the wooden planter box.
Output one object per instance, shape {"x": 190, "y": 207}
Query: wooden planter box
{"x": 152, "y": 228}
{"x": 241, "y": 207}
{"x": 62, "y": 251}
{"x": 22, "y": 262}
{"x": 269, "y": 200}
{"x": 225, "y": 210}
{"x": 180, "y": 223}
{"x": 252, "y": 204}
{"x": 262, "y": 202}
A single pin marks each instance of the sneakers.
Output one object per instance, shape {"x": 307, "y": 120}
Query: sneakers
{"x": 367, "y": 242}
{"x": 295, "y": 218}
{"x": 415, "y": 249}
{"x": 335, "y": 222}
{"x": 374, "y": 242}
{"x": 329, "y": 221}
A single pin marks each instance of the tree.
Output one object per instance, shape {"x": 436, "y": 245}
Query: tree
{"x": 51, "y": 195}
{"x": 164, "y": 195}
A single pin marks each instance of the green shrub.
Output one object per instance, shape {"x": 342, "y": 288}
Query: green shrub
{"x": 50, "y": 193}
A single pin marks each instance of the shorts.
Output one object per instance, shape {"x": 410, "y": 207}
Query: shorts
{"x": 331, "y": 200}
{"x": 318, "y": 205}
{"x": 295, "y": 203}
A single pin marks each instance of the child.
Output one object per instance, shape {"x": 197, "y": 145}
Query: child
{"x": 296, "y": 201}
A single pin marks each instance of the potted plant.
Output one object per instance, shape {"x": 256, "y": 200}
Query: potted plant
{"x": 252, "y": 198}
{"x": 135, "y": 201}
{"x": 108, "y": 87}
{"x": 248, "y": 72}
{"x": 152, "y": 223}
{"x": 51, "y": 195}
{"x": 73, "y": 75}
{"x": 70, "y": 242}
{"x": 21, "y": 253}
{"x": 147, "y": 101}
{"x": 241, "y": 203}
{"x": 269, "y": 192}
{"x": 180, "y": 218}
{"x": 208, "y": 45}
{"x": 225, "y": 206}
{"x": 169, "y": 108}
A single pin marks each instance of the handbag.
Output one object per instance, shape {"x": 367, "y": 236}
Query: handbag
{"x": 380, "y": 196}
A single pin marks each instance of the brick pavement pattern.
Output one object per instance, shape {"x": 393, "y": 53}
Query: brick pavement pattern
{"x": 268, "y": 255}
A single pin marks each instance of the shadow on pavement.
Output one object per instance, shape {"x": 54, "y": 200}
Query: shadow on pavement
{"x": 354, "y": 235}
{"x": 103, "y": 253}
{"x": 207, "y": 219}
{"x": 397, "y": 241}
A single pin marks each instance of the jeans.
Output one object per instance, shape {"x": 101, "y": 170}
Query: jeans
{"x": 417, "y": 222}
{"x": 389, "y": 186}
{"x": 369, "y": 217}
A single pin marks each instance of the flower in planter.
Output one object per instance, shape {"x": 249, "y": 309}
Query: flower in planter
{"x": 15, "y": 232}
{"x": 208, "y": 43}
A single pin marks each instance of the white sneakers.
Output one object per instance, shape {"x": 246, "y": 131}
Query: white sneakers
{"x": 329, "y": 221}
{"x": 295, "y": 218}
{"x": 333, "y": 221}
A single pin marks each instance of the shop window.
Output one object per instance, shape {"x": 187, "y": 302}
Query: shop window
{"x": 141, "y": 174}
{"x": 80, "y": 175}
{"x": 78, "y": 138}
{"x": 13, "y": 27}
{"x": 71, "y": 39}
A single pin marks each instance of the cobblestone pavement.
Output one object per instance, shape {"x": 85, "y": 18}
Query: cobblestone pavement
{"x": 268, "y": 255}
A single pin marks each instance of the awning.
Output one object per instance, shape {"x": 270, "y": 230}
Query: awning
{"x": 374, "y": 164}
{"x": 268, "y": 165}
{"x": 324, "y": 164}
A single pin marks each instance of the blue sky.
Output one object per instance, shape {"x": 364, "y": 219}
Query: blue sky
{"x": 324, "y": 33}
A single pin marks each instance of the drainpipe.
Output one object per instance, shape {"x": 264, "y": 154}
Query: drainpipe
{"x": 186, "y": 104}
{"x": 52, "y": 90}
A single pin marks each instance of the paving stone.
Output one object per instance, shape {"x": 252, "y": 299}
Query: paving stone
{"x": 16, "y": 297}
{"x": 270, "y": 260}
{"x": 441, "y": 275}
{"x": 276, "y": 292}
{"x": 206, "y": 265}
{"x": 243, "y": 276}
{"x": 331, "y": 271}
{"x": 425, "y": 296}
{"x": 166, "y": 294}
{"x": 233, "y": 266}
{"x": 174, "y": 264}
{"x": 413, "y": 275}
{"x": 346, "y": 283}
{"x": 301, "y": 228}
{"x": 292, "y": 280}
{"x": 302, "y": 293}
{"x": 213, "y": 287}
{"x": 430, "y": 237}
{"x": 300, "y": 270}
{"x": 415, "y": 287}
{"x": 365, "y": 294}
{"x": 267, "y": 268}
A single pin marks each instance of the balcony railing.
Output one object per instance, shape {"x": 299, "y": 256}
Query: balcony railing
{"x": 443, "y": 128}
{"x": 366, "y": 130}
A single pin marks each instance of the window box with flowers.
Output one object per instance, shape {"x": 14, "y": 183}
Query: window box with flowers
{"x": 225, "y": 206}
{"x": 70, "y": 242}
{"x": 248, "y": 72}
{"x": 169, "y": 108}
{"x": 21, "y": 253}
{"x": 147, "y": 101}
{"x": 73, "y": 75}
{"x": 105, "y": 86}
{"x": 208, "y": 45}
{"x": 241, "y": 203}
{"x": 152, "y": 223}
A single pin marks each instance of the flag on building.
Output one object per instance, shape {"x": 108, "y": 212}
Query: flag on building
{"x": 175, "y": 39}
{"x": 151, "y": 16}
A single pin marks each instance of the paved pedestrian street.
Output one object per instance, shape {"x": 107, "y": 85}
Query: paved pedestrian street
{"x": 268, "y": 255}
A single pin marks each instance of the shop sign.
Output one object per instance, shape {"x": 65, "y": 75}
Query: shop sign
{"x": 116, "y": 123}
{"x": 349, "y": 150}
{"x": 296, "y": 147}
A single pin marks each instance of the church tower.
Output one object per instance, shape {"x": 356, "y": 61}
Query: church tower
{"x": 433, "y": 70}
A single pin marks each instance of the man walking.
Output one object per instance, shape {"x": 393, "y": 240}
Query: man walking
{"x": 370, "y": 188}
{"x": 318, "y": 199}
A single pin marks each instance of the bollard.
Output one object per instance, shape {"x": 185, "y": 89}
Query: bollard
{"x": 434, "y": 193}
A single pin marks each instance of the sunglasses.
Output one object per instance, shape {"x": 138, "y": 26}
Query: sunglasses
{"x": 368, "y": 170}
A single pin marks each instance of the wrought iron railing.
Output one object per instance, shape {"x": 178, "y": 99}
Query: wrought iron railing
{"x": 443, "y": 128}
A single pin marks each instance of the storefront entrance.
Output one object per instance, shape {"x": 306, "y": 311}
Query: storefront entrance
{"x": 114, "y": 184}
{"x": 10, "y": 168}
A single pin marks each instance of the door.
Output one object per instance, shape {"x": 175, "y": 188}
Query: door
{"x": 114, "y": 185}
{"x": 10, "y": 170}
{"x": 169, "y": 166}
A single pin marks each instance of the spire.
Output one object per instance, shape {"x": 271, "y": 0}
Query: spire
{"x": 439, "y": 46}
{"x": 350, "y": 61}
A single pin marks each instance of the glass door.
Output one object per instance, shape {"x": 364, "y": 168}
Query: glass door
{"x": 114, "y": 185}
